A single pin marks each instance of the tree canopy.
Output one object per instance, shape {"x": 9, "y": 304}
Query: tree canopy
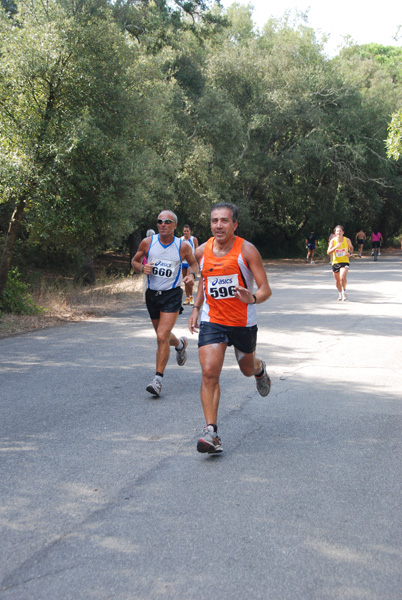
{"x": 112, "y": 111}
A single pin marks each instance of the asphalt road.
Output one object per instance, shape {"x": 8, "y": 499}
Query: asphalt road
{"x": 104, "y": 496}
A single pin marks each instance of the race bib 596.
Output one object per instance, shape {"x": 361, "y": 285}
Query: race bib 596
{"x": 222, "y": 287}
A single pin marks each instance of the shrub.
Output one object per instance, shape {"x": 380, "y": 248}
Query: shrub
{"x": 15, "y": 298}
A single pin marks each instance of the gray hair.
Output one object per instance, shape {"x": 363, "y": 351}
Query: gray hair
{"x": 172, "y": 213}
{"x": 150, "y": 232}
{"x": 228, "y": 205}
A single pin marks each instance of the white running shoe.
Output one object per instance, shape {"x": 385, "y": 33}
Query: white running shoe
{"x": 181, "y": 355}
{"x": 344, "y": 296}
{"x": 339, "y": 297}
{"x": 209, "y": 442}
{"x": 155, "y": 387}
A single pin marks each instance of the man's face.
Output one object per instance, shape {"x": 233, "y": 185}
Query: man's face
{"x": 186, "y": 232}
{"x": 166, "y": 229}
{"x": 222, "y": 225}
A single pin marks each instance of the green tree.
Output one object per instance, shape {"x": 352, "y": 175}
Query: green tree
{"x": 63, "y": 93}
{"x": 394, "y": 139}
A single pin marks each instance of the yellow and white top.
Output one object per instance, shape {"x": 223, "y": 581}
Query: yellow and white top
{"x": 340, "y": 255}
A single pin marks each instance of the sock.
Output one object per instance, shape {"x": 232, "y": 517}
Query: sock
{"x": 180, "y": 345}
{"x": 214, "y": 426}
{"x": 157, "y": 374}
{"x": 260, "y": 374}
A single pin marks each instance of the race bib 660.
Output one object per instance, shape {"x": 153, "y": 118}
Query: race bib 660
{"x": 222, "y": 287}
{"x": 163, "y": 268}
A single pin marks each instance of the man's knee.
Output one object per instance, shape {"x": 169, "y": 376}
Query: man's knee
{"x": 248, "y": 372}
{"x": 163, "y": 336}
{"x": 210, "y": 374}
{"x": 248, "y": 369}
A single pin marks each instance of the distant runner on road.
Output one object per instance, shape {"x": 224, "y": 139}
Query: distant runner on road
{"x": 311, "y": 245}
{"x": 225, "y": 304}
{"x": 340, "y": 248}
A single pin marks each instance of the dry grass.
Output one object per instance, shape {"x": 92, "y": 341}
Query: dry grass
{"x": 65, "y": 302}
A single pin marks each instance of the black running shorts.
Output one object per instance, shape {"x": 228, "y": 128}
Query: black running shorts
{"x": 242, "y": 338}
{"x": 338, "y": 266}
{"x": 166, "y": 301}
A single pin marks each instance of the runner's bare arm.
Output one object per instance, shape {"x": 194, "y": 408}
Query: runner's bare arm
{"x": 254, "y": 261}
{"x": 331, "y": 246}
{"x": 139, "y": 255}
{"x": 199, "y": 299}
{"x": 187, "y": 255}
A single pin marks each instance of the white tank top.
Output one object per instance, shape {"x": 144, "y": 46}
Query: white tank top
{"x": 190, "y": 241}
{"x": 166, "y": 272}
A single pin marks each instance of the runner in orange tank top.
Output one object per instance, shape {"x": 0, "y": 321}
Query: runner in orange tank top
{"x": 225, "y": 307}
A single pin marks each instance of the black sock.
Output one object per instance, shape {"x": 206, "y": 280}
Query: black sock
{"x": 214, "y": 426}
{"x": 159, "y": 374}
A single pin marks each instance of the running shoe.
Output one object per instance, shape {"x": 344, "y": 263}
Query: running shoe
{"x": 181, "y": 355}
{"x": 192, "y": 300}
{"x": 155, "y": 387}
{"x": 263, "y": 382}
{"x": 344, "y": 296}
{"x": 186, "y": 301}
{"x": 312, "y": 262}
{"x": 339, "y": 297}
{"x": 209, "y": 442}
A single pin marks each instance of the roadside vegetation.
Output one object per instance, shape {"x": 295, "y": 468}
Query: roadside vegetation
{"x": 45, "y": 298}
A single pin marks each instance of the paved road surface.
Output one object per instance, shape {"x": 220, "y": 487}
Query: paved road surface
{"x": 103, "y": 495}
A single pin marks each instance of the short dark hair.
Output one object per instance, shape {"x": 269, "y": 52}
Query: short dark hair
{"x": 228, "y": 205}
{"x": 188, "y": 227}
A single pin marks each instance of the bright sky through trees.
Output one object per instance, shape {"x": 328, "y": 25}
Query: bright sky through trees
{"x": 364, "y": 21}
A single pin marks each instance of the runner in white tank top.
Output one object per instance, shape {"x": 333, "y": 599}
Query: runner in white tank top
{"x": 165, "y": 253}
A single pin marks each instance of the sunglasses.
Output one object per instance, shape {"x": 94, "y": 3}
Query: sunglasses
{"x": 166, "y": 221}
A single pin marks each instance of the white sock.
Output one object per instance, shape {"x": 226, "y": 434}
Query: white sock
{"x": 180, "y": 345}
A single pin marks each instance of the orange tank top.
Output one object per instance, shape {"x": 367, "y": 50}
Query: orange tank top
{"x": 220, "y": 276}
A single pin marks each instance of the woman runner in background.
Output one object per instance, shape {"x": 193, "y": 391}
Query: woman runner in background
{"x": 340, "y": 247}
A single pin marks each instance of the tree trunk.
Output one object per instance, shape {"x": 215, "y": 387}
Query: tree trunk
{"x": 134, "y": 240}
{"x": 9, "y": 243}
{"x": 88, "y": 269}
